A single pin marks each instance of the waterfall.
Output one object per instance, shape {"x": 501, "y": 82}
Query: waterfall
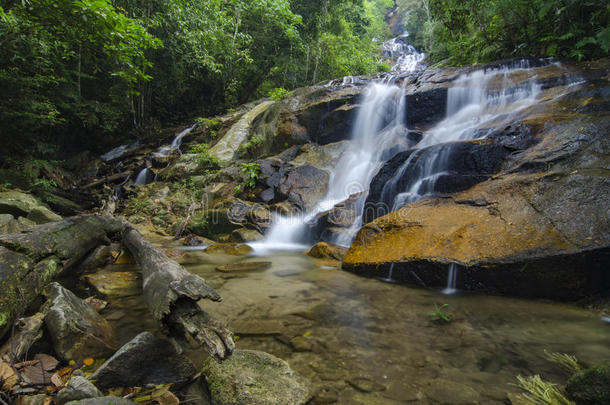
{"x": 451, "y": 280}
{"x": 175, "y": 145}
{"x": 406, "y": 57}
{"x": 143, "y": 177}
{"x": 378, "y": 127}
{"x": 475, "y": 101}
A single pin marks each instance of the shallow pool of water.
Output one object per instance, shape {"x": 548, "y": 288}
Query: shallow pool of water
{"x": 363, "y": 341}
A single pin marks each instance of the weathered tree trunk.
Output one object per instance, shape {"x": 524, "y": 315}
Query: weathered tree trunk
{"x": 31, "y": 259}
{"x": 171, "y": 294}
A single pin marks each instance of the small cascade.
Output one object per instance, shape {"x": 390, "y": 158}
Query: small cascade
{"x": 406, "y": 57}
{"x": 144, "y": 177}
{"x": 475, "y": 101}
{"x": 389, "y": 278}
{"x": 175, "y": 145}
{"x": 451, "y": 280}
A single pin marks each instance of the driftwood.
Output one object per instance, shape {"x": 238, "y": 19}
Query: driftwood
{"x": 171, "y": 294}
{"x": 31, "y": 259}
{"x": 107, "y": 179}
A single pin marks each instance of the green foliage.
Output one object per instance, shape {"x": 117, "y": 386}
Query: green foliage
{"x": 249, "y": 148}
{"x": 438, "y": 315}
{"x": 278, "y": 94}
{"x": 206, "y": 161}
{"x": 480, "y": 31}
{"x": 67, "y": 66}
{"x": 540, "y": 392}
{"x": 252, "y": 172}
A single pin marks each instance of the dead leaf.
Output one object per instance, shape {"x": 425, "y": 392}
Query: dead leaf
{"x": 56, "y": 380}
{"x": 88, "y": 361}
{"x": 36, "y": 374}
{"x": 168, "y": 399}
{"x": 48, "y": 362}
{"x": 8, "y": 376}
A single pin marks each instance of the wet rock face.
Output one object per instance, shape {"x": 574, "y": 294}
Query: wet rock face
{"x": 536, "y": 226}
{"x": 426, "y": 108}
{"x": 468, "y": 163}
{"x": 76, "y": 329}
{"x": 255, "y": 378}
{"x": 144, "y": 360}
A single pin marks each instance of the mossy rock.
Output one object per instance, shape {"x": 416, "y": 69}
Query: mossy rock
{"x": 591, "y": 386}
{"x": 255, "y": 378}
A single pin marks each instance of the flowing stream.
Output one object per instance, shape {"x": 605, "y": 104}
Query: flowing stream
{"x": 360, "y": 341}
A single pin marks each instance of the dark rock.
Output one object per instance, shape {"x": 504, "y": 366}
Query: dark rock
{"x": 78, "y": 388}
{"x": 304, "y": 186}
{"x": 76, "y": 329}
{"x": 267, "y": 195}
{"x": 590, "y": 386}
{"x": 426, "y": 108}
{"x": 144, "y": 360}
{"x": 100, "y": 257}
{"x": 255, "y": 378}
{"x": 464, "y": 164}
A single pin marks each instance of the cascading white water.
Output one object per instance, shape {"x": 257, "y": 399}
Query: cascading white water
{"x": 451, "y": 280}
{"x": 176, "y": 143}
{"x": 406, "y": 57}
{"x": 142, "y": 178}
{"x": 379, "y": 126}
{"x": 475, "y": 100}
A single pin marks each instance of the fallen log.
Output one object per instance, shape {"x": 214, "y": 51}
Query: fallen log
{"x": 34, "y": 258}
{"x": 171, "y": 293}
{"x": 107, "y": 179}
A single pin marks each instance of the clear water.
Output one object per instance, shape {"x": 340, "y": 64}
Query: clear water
{"x": 363, "y": 331}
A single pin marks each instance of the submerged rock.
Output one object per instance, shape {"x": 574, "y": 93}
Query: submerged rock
{"x": 590, "y": 386}
{"x": 255, "y": 378}
{"x": 236, "y": 249}
{"x": 119, "y": 283}
{"x": 76, "y": 329}
{"x": 144, "y": 360}
{"x": 243, "y": 267}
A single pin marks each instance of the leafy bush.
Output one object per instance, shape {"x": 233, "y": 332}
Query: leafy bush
{"x": 206, "y": 161}
{"x": 252, "y": 172}
{"x": 278, "y": 94}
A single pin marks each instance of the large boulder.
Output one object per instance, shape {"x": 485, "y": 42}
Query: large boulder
{"x": 539, "y": 227}
{"x": 255, "y": 378}
{"x": 144, "y": 360}
{"x": 76, "y": 329}
{"x": 25, "y": 205}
